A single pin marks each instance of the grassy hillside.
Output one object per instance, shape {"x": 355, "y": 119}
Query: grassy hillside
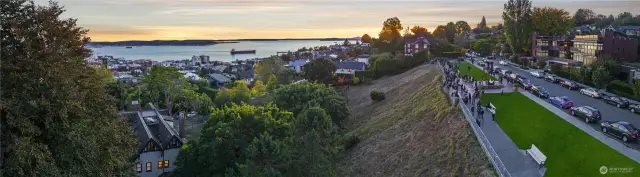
{"x": 414, "y": 132}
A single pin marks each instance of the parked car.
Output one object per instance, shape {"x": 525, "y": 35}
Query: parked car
{"x": 620, "y": 129}
{"x": 568, "y": 84}
{"x": 502, "y": 62}
{"x": 562, "y": 101}
{"x": 588, "y": 113}
{"x": 634, "y": 108}
{"x": 590, "y": 92}
{"x": 537, "y": 74}
{"x": 527, "y": 85}
{"x": 505, "y": 72}
{"x": 539, "y": 91}
{"x": 552, "y": 79}
{"x": 616, "y": 101}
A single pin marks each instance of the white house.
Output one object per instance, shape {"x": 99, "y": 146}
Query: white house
{"x": 296, "y": 65}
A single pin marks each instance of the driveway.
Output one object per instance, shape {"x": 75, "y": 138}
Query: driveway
{"x": 609, "y": 112}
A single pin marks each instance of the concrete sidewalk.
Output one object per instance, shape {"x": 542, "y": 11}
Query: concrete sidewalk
{"x": 515, "y": 161}
{"x": 613, "y": 143}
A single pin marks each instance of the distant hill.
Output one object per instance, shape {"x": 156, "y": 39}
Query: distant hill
{"x": 198, "y": 42}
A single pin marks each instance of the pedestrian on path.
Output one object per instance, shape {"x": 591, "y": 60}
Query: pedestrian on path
{"x": 478, "y": 122}
{"x": 501, "y": 91}
{"x": 493, "y": 116}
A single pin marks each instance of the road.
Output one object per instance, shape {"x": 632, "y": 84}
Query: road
{"x": 609, "y": 112}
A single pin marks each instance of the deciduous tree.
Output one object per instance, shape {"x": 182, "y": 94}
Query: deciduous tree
{"x": 600, "y": 76}
{"x": 517, "y": 23}
{"x": 482, "y": 46}
{"x": 462, "y": 26}
{"x": 440, "y": 32}
{"x": 265, "y": 68}
{"x": 319, "y": 71}
{"x": 551, "y": 21}
{"x": 366, "y": 39}
{"x": 584, "y": 16}
{"x": 420, "y": 31}
{"x": 57, "y": 119}
{"x": 450, "y": 31}
{"x": 297, "y": 97}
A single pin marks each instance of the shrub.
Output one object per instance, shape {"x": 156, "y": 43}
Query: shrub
{"x": 211, "y": 92}
{"x": 356, "y": 80}
{"x": 350, "y": 140}
{"x": 377, "y": 95}
{"x": 541, "y": 64}
{"x": 620, "y": 87}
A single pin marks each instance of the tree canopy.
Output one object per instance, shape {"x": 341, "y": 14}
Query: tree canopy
{"x": 551, "y": 21}
{"x": 517, "y": 24}
{"x": 483, "y": 23}
{"x": 419, "y": 31}
{"x": 584, "y": 16}
{"x": 366, "y": 38}
{"x": 462, "y": 26}
{"x": 390, "y": 30}
{"x": 450, "y": 31}
{"x": 57, "y": 119}
{"x": 482, "y": 46}
{"x": 297, "y": 97}
{"x": 265, "y": 68}
{"x": 440, "y": 32}
{"x": 319, "y": 71}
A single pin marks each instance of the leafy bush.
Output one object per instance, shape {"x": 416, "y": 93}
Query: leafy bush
{"x": 377, "y": 95}
{"x": 620, "y": 87}
{"x": 350, "y": 140}
{"x": 364, "y": 74}
{"x": 356, "y": 80}
{"x": 211, "y": 92}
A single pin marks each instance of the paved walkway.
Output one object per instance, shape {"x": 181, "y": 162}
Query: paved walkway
{"x": 514, "y": 160}
{"x": 613, "y": 143}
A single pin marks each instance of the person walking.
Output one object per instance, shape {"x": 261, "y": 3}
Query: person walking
{"x": 501, "y": 91}
{"x": 493, "y": 116}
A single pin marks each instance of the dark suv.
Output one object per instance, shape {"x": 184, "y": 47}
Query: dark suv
{"x": 623, "y": 130}
{"x": 616, "y": 101}
{"x": 552, "y": 79}
{"x": 589, "y": 113}
{"x": 539, "y": 91}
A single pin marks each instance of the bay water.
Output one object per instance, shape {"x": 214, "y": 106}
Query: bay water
{"x": 217, "y": 52}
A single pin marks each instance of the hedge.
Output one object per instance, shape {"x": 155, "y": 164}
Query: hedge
{"x": 620, "y": 86}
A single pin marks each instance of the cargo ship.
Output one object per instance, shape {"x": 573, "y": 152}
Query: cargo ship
{"x": 234, "y": 51}
{"x": 128, "y": 47}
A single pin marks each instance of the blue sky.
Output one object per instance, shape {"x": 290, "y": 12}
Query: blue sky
{"x": 114, "y": 20}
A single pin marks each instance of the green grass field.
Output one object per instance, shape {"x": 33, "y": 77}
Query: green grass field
{"x": 475, "y": 73}
{"x": 569, "y": 150}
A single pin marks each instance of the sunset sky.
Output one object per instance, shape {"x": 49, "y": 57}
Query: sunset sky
{"x": 116, "y": 20}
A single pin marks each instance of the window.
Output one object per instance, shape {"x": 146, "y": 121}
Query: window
{"x": 166, "y": 163}
{"x": 159, "y": 164}
{"x": 139, "y": 168}
{"x": 148, "y": 166}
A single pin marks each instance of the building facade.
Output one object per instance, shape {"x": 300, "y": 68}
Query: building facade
{"x": 413, "y": 46}
{"x": 159, "y": 142}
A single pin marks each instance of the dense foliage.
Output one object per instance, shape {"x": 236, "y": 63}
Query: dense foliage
{"x": 57, "y": 119}
{"x": 244, "y": 140}
{"x": 297, "y": 97}
{"x": 321, "y": 71}
{"x": 269, "y": 66}
{"x": 589, "y": 17}
{"x": 550, "y": 21}
{"x": 517, "y": 25}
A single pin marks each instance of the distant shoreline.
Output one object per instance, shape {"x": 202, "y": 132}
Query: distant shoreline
{"x": 200, "y": 42}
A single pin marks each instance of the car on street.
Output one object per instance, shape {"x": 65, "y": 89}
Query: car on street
{"x": 634, "y": 108}
{"x": 590, "y": 92}
{"x": 561, "y": 101}
{"x": 505, "y": 72}
{"x": 539, "y": 91}
{"x": 588, "y": 113}
{"x": 620, "y": 129}
{"x": 552, "y": 79}
{"x": 616, "y": 101}
{"x": 537, "y": 74}
{"x": 568, "y": 84}
{"x": 501, "y": 62}
{"x": 527, "y": 85}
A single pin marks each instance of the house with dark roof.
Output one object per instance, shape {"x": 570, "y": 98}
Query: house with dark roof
{"x": 628, "y": 30}
{"x": 158, "y": 141}
{"x": 350, "y": 67}
{"x": 217, "y": 80}
{"x": 412, "y": 46}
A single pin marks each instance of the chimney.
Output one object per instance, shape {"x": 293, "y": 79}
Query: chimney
{"x": 134, "y": 105}
{"x": 181, "y": 128}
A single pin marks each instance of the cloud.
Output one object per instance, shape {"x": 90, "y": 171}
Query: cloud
{"x": 222, "y": 10}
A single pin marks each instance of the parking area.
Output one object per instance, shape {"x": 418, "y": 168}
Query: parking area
{"x": 570, "y": 151}
{"x": 608, "y": 112}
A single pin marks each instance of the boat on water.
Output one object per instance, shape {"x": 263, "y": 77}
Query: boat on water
{"x": 234, "y": 51}
{"x": 128, "y": 47}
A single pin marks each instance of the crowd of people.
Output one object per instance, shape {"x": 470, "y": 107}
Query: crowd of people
{"x": 455, "y": 83}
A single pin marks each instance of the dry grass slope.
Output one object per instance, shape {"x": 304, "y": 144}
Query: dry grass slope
{"x": 414, "y": 132}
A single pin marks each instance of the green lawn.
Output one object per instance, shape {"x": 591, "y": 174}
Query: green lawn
{"x": 475, "y": 73}
{"x": 569, "y": 150}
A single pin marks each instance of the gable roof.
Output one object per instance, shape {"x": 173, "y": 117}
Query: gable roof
{"x": 150, "y": 125}
{"x": 219, "y": 77}
{"x": 352, "y": 65}
{"x": 420, "y": 39}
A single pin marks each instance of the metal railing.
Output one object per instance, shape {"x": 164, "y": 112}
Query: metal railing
{"x": 484, "y": 142}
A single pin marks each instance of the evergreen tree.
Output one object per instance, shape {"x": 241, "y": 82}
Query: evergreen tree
{"x": 57, "y": 119}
